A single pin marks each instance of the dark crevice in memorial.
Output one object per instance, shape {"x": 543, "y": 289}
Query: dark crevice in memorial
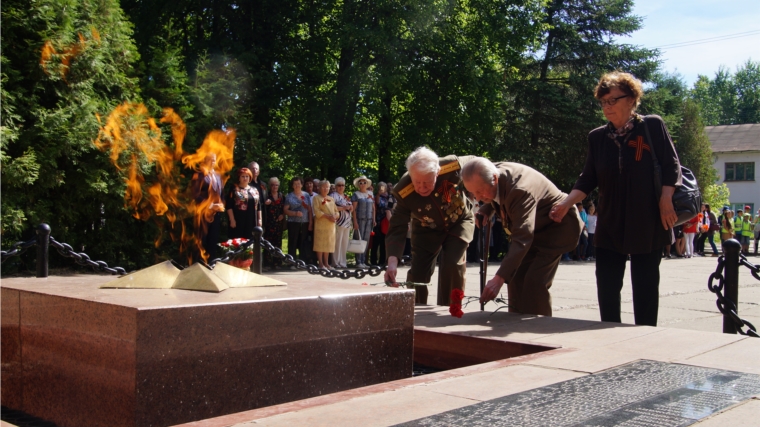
{"x": 441, "y": 351}
{"x": 22, "y": 419}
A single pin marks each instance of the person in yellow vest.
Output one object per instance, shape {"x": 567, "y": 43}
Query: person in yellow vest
{"x": 738, "y": 224}
{"x": 746, "y": 230}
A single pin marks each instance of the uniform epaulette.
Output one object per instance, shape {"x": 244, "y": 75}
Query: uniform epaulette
{"x": 450, "y": 167}
{"x": 409, "y": 189}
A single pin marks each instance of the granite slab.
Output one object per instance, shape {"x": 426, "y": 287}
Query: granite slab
{"x": 148, "y": 357}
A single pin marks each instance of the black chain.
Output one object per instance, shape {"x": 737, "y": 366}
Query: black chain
{"x": 17, "y": 249}
{"x": 82, "y": 258}
{"x": 725, "y": 305}
{"x": 288, "y": 259}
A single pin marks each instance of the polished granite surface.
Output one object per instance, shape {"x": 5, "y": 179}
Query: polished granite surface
{"x": 643, "y": 393}
{"x": 79, "y": 355}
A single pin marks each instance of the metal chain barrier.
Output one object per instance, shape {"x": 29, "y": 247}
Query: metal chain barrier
{"x": 288, "y": 260}
{"x": 725, "y": 305}
{"x": 17, "y": 249}
{"x": 82, "y": 258}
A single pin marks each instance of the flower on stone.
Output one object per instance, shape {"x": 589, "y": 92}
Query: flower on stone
{"x": 456, "y": 303}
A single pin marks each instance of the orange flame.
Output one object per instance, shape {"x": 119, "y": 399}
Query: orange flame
{"x": 48, "y": 52}
{"x": 136, "y": 147}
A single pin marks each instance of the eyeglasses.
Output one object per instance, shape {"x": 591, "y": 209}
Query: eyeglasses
{"x": 340, "y": 185}
{"x": 362, "y": 182}
{"x": 610, "y": 102}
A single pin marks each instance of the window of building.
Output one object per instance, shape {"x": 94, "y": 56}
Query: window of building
{"x": 740, "y": 171}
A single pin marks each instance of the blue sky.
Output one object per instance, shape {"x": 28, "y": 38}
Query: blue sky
{"x": 667, "y": 22}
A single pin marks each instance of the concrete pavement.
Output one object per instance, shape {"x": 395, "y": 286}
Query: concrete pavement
{"x": 685, "y": 301}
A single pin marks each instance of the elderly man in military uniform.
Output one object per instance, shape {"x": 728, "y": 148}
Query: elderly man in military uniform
{"x": 523, "y": 197}
{"x": 431, "y": 195}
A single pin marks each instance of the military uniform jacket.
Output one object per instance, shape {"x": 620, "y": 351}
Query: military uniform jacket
{"x": 526, "y": 198}
{"x": 446, "y": 211}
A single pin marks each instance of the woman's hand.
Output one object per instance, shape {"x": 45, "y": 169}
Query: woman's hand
{"x": 559, "y": 211}
{"x": 268, "y": 202}
{"x": 299, "y": 214}
{"x": 233, "y": 224}
{"x": 667, "y": 212}
{"x": 280, "y": 218}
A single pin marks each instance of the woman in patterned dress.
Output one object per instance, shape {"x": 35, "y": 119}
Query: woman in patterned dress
{"x": 243, "y": 207}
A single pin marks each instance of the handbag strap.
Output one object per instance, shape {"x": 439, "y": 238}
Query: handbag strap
{"x": 658, "y": 189}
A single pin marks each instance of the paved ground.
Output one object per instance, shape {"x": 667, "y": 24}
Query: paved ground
{"x": 685, "y": 301}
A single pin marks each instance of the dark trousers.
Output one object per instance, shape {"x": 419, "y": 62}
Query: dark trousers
{"x": 298, "y": 239}
{"x": 209, "y": 239}
{"x": 528, "y": 292}
{"x": 645, "y": 278}
{"x": 378, "y": 242}
{"x": 450, "y": 273}
{"x": 701, "y": 242}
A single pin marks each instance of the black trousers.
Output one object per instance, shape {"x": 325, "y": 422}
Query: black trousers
{"x": 645, "y": 278}
{"x": 378, "y": 243}
{"x": 298, "y": 239}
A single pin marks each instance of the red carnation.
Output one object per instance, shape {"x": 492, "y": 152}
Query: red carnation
{"x": 303, "y": 198}
{"x": 456, "y": 310}
{"x": 456, "y": 302}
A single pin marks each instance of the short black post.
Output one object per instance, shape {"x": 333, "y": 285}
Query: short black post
{"x": 731, "y": 249}
{"x": 256, "y": 265}
{"x": 43, "y": 243}
{"x": 485, "y": 243}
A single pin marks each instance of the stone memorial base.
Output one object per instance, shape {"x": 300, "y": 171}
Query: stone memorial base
{"x": 78, "y": 355}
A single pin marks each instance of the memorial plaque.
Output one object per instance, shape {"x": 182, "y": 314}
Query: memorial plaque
{"x": 640, "y": 394}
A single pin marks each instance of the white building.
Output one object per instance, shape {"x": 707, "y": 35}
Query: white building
{"x": 737, "y": 151}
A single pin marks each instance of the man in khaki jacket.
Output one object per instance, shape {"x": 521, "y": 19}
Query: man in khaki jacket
{"x": 431, "y": 195}
{"x": 523, "y": 198}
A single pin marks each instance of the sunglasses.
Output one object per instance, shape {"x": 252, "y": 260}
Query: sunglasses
{"x": 340, "y": 185}
{"x": 362, "y": 182}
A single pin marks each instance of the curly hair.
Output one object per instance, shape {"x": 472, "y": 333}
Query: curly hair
{"x": 626, "y": 82}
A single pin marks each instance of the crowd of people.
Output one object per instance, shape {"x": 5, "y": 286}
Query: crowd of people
{"x": 690, "y": 237}
{"x": 317, "y": 214}
{"x": 440, "y": 203}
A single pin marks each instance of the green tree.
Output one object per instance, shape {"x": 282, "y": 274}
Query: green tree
{"x": 693, "y": 146}
{"x": 64, "y": 62}
{"x": 730, "y": 99}
{"x": 549, "y": 106}
{"x": 716, "y": 196}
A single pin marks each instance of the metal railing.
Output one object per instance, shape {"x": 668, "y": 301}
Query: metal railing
{"x": 728, "y": 301}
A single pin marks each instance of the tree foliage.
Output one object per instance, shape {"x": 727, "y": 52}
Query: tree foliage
{"x": 730, "y": 99}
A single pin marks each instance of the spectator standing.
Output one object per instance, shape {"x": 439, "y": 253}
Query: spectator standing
{"x": 757, "y": 229}
{"x": 261, "y": 186}
{"x": 243, "y": 207}
{"x": 727, "y": 227}
{"x": 709, "y": 226}
{"x": 364, "y": 215}
{"x": 273, "y": 226}
{"x": 325, "y": 215}
{"x": 382, "y": 221}
{"x": 298, "y": 210}
{"x": 636, "y": 218}
{"x": 746, "y": 230}
{"x": 591, "y": 226}
{"x": 689, "y": 230}
{"x": 208, "y": 194}
{"x": 343, "y": 224}
{"x": 580, "y": 250}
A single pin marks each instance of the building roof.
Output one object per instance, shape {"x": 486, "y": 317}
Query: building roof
{"x": 734, "y": 138}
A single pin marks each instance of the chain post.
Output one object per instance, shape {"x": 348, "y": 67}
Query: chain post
{"x": 256, "y": 265}
{"x": 732, "y": 249}
{"x": 43, "y": 244}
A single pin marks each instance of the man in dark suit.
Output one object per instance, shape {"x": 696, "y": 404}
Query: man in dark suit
{"x": 523, "y": 198}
